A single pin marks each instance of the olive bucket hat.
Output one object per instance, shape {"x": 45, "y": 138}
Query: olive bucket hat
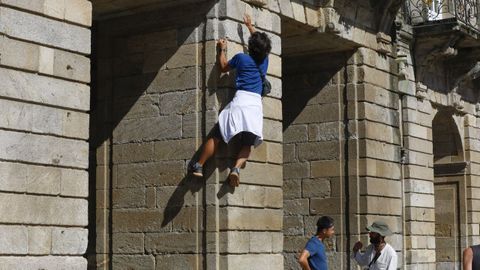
{"x": 380, "y": 227}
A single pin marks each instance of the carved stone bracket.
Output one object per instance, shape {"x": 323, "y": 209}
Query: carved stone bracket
{"x": 402, "y": 65}
{"x": 421, "y": 91}
{"x": 455, "y": 100}
{"x": 260, "y": 3}
{"x": 384, "y": 43}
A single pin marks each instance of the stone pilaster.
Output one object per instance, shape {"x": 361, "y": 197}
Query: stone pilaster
{"x": 45, "y": 99}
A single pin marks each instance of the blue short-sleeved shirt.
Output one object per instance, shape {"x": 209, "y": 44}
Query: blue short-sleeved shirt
{"x": 318, "y": 256}
{"x": 248, "y": 77}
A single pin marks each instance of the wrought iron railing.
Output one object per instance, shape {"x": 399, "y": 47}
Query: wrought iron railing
{"x": 464, "y": 11}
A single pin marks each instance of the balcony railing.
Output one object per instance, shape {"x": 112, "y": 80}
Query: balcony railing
{"x": 431, "y": 11}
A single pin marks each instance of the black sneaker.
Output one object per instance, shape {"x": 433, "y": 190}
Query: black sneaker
{"x": 197, "y": 169}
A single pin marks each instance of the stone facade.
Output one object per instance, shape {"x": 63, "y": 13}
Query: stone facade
{"x": 373, "y": 115}
{"x": 45, "y": 98}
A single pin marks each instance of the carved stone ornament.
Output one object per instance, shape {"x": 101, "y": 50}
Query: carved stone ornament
{"x": 421, "y": 92}
{"x": 402, "y": 65}
{"x": 455, "y": 100}
{"x": 260, "y": 3}
{"x": 383, "y": 43}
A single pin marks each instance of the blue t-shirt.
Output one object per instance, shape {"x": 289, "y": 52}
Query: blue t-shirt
{"x": 248, "y": 77}
{"x": 318, "y": 257}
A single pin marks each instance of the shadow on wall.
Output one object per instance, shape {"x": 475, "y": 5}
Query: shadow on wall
{"x": 304, "y": 78}
{"x": 144, "y": 104}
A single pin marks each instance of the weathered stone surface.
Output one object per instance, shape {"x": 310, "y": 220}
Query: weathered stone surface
{"x": 254, "y": 174}
{"x": 44, "y": 262}
{"x": 177, "y": 196}
{"x": 71, "y": 66}
{"x": 172, "y": 80}
{"x": 178, "y": 102}
{"x": 128, "y": 198}
{"x": 19, "y": 146}
{"x": 128, "y": 243}
{"x": 296, "y": 170}
{"x": 150, "y": 174}
{"x": 296, "y": 133}
{"x": 155, "y": 128}
{"x": 174, "y": 149}
{"x": 176, "y": 261}
{"x": 232, "y": 218}
{"x": 255, "y": 196}
{"x": 69, "y": 241}
{"x": 327, "y": 206}
{"x": 318, "y": 151}
{"x": 316, "y": 188}
{"x": 296, "y": 207}
{"x": 293, "y": 225}
{"x": 31, "y": 87}
{"x": 237, "y": 242}
{"x": 39, "y": 240}
{"x": 325, "y": 168}
{"x": 381, "y": 205}
{"x": 272, "y": 130}
{"x": 19, "y": 54}
{"x": 33, "y": 27}
{"x": 324, "y": 131}
{"x": 380, "y": 187}
{"x": 138, "y": 220}
{"x": 252, "y": 261}
{"x": 133, "y": 153}
{"x": 14, "y": 240}
{"x": 140, "y": 262}
{"x": 40, "y": 119}
{"x": 44, "y": 180}
{"x": 170, "y": 242}
{"x": 79, "y": 11}
{"x": 28, "y": 209}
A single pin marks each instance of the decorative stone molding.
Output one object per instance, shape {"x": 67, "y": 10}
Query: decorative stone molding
{"x": 384, "y": 42}
{"x": 421, "y": 92}
{"x": 455, "y": 100}
{"x": 260, "y": 3}
{"x": 402, "y": 65}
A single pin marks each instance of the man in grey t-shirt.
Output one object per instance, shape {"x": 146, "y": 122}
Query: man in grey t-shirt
{"x": 379, "y": 255}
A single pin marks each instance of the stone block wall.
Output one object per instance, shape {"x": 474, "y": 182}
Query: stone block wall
{"x": 45, "y": 98}
{"x": 375, "y": 109}
{"x": 148, "y": 123}
{"x": 313, "y": 158}
{"x": 158, "y": 94}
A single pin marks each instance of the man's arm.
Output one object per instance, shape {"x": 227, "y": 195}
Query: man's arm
{"x": 248, "y": 23}
{"x": 362, "y": 259}
{"x": 467, "y": 259}
{"x": 303, "y": 260}
{"x": 221, "y": 58}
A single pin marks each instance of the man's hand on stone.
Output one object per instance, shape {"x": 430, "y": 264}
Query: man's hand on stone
{"x": 222, "y": 44}
{"x": 247, "y": 20}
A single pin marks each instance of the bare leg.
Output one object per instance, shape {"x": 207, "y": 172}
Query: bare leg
{"x": 241, "y": 159}
{"x": 209, "y": 149}
{"x": 243, "y": 155}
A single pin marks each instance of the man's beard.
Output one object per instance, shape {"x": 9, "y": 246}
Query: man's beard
{"x": 376, "y": 240}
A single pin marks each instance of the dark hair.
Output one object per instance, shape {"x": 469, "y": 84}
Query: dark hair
{"x": 259, "y": 45}
{"x": 324, "y": 222}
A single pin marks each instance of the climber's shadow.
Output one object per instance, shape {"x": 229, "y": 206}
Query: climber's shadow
{"x": 222, "y": 161}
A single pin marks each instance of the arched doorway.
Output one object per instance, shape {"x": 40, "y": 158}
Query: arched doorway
{"x": 449, "y": 170}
